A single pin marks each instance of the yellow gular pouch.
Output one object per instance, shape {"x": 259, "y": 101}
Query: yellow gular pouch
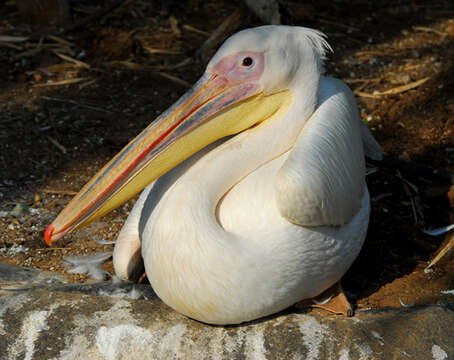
{"x": 258, "y": 109}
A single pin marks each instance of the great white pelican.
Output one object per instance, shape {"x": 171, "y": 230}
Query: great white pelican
{"x": 256, "y": 194}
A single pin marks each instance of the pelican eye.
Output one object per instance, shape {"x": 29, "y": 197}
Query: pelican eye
{"x": 247, "y": 61}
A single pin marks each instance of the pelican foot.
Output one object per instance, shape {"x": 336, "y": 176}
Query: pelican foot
{"x": 332, "y": 300}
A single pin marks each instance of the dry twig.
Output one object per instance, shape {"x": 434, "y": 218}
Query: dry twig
{"x": 441, "y": 254}
{"x": 195, "y": 30}
{"x": 63, "y": 82}
{"x": 175, "y": 79}
{"x": 365, "y": 95}
{"x": 91, "y": 107}
{"x": 161, "y": 51}
{"x": 415, "y": 205}
{"x": 74, "y": 61}
{"x": 58, "y": 192}
{"x": 28, "y": 53}
{"x": 57, "y": 68}
{"x": 174, "y": 26}
{"x": 409, "y": 67}
{"x": 15, "y": 39}
{"x": 60, "y": 40}
{"x": 393, "y": 91}
{"x": 88, "y": 83}
{"x": 381, "y": 196}
{"x": 372, "y": 52}
{"x": 403, "y": 88}
{"x": 12, "y": 46}
{"x": 428, "y": 29}
{"x": 57, "y": 144}
{"x": 359, "y": 80}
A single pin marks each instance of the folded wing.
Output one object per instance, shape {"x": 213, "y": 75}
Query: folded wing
{"x": 323, "y": 180}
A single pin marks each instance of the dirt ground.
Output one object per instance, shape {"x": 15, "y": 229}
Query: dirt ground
{"x": 54, "y": 137}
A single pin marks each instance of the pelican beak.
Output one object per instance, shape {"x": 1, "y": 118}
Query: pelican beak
{"x": 213, "y": 108}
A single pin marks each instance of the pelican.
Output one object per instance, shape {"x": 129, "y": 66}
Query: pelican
{"x": 255, "y": 196}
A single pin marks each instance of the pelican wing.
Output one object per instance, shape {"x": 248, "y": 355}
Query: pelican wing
{"x": 322, "y": 182}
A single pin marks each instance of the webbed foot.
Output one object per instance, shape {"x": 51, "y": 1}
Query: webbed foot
{"x": 333, "y": 300}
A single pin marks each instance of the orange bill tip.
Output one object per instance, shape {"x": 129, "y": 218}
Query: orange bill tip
{"x": 48, "y": 234}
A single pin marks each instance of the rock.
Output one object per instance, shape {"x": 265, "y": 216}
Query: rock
{"x": 19, "y": 210}
{"x": 17, "y": 274}
{"x": 59, "y": 322}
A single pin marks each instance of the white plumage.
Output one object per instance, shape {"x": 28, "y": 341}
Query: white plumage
{"x": 275, "y": 214}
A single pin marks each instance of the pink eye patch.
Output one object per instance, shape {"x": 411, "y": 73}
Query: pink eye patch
{"x": 241, "y": 66}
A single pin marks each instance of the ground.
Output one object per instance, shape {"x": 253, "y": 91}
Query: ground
{"x": 54, "y": 136}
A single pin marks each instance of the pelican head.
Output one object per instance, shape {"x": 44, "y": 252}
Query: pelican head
{"x": 255, "y": 74}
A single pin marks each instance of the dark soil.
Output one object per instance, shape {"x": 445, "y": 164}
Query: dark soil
{"x": 54, "y": 138}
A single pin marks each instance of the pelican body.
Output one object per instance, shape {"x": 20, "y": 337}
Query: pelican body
{"x": 255, "y": 195}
